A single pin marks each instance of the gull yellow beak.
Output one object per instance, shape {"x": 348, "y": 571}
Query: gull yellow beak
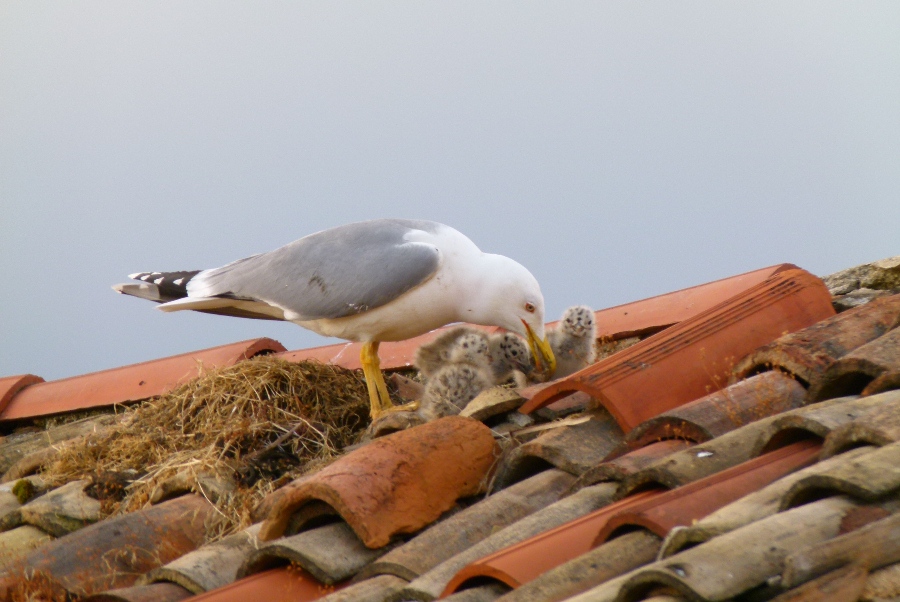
{"x": 544, "y": 361}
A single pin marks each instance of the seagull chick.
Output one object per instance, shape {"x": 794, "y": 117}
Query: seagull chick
{"x": 372, "y": 281}
{"x": 510, "y": 359}
{"x": 431, "y": 357}
{"x": 572, "y": 340}
{"x": 466, "y": 374}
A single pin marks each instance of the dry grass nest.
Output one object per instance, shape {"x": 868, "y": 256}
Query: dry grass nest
{"x": 234, "y": 435}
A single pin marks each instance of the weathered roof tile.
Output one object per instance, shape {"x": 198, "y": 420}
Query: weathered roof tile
{"x": 877, "y": 424}
{"x": 156, "y": 592}
{"x": 715, "y": 414}
{"x": 331, "y": 553}
{"x": 854, "y": 371}
{"x": 575, "y": 449}
{"x": 210, "y": 566}
{"x": 127, "y": 545}
{"x": 808, "y": 353}
{"x": 62, "y": 510}
{"x": 465, "y": 528}
{"x": 398, "y": 483}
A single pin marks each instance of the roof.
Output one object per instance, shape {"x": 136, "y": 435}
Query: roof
{"x": 736, "y": 439}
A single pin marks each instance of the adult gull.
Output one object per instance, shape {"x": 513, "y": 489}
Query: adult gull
{"x": 372, "y": 281}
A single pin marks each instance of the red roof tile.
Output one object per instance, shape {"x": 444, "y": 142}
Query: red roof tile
{"x": 128, "y": 383}
{"x": 11, "y": 385}
{"x": 695, "y": 357}
{"x": 126, "y": 546}
{"x": 657, "y": 510}
{"x": 398, "y": 483}
{"x": 715, "y": 414}
{"x": 286, "y": 584}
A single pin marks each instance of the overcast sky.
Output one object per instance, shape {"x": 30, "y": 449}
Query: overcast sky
{"x": 617, "y": 149}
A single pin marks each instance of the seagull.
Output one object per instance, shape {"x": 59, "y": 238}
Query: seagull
{"x": 466, "y": 374}
{"x": 572, "y": 341}
{"x": 370, "y": 281}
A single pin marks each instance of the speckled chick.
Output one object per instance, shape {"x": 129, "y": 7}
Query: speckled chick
{"x": 572, "y": 340}
{"x": 510, "y": 359}
{"x": 466, "y": 374}
{"x": 431, "y": 357}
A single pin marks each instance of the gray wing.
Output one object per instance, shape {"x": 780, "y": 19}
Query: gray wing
{"x": 330, "y": 274}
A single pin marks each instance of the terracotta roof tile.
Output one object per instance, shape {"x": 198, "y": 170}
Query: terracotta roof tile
{"x": 431, "y": 584}
{"x": 715, "y": 414}
{"x": 286, "y": 584}
{"x": 210, "y": 566}
{"x": 695, "y": 357}
{"x": 868, "y": 477}
{"x": 854, "y": 371}
{"x": 764, "y": 502}
{"x": 376, "y": 589}
{"x": 808, "y": 353}
{"x": 157, "y": 592}
{"x": 874, "y": 545}
{"x": 331, "y": 553}
{"x": 18, "y": 542}
{"x": 63, "y": 510}
{"x": 847, "y": 583}
{"x": 467, "y": 527}
{"x": 658, "y": 511}
{"x": 11, "y": 385}
{"x": 128, "y": 383}
{"x": 886, "y": 382}
{"x": 818, "y": 420}
{"x": 398, "y": 483}
{"x": 128, "y": 545}
{"x": 634, "y": 461}
{"x": 877, "y": 424}
{"x": 575, "y": 449}
{"x": 616, "y": 557}
{"x": 762, "y": 546}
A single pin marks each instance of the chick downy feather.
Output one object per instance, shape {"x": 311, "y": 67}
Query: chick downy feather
{"x": 572, "y": 340}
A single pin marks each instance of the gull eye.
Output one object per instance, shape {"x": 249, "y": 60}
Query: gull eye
{"x": 529, "y": 307}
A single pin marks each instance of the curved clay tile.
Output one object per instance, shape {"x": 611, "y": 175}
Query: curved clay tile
{"x": 11, "y": 385}
{"x": 874, "y": 545}
{"x": 877, "y": 424}
{"x": 127, "y": 545}
{"x": 818, "y": 420}
{"x": 749, "y": 400}
{"x": 695, "y": 357}
{"x": 467, "y": 527}
{"x": 888, "y": 381}
{"x": 621, "y": 467}
{"x": 430, "y": 585}
{"x": 285, "y": 584}
{"x": 331, "y": 554}
{"x": 867, "y": 477}
{"x": 754, "y": 506}
{"x": 807, "y": 354}
{"x": 128, "y": 383}
{"x": 209, "y": 567}
{"x": 156, "y": 592}
{"x": 398, "y": 483}
{"x": 749, "y": 556}
{"x": 853, "y": 372}
{"x": 575, "y": 449}
{"x": 656, "y": 511}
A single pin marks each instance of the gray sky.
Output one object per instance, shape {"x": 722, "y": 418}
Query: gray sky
{"x": 617, "y": 149}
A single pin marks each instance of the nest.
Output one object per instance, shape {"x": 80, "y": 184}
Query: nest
{"x": 233, "y": 434}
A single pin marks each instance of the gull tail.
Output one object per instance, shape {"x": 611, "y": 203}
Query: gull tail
{"x": 160, "y": 287}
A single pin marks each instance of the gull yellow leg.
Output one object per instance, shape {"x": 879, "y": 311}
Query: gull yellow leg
{"x": 379, "y": 397}
{"x": 379, "y": 400}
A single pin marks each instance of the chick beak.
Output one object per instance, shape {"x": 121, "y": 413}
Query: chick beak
{"x": 544, "y": 361}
